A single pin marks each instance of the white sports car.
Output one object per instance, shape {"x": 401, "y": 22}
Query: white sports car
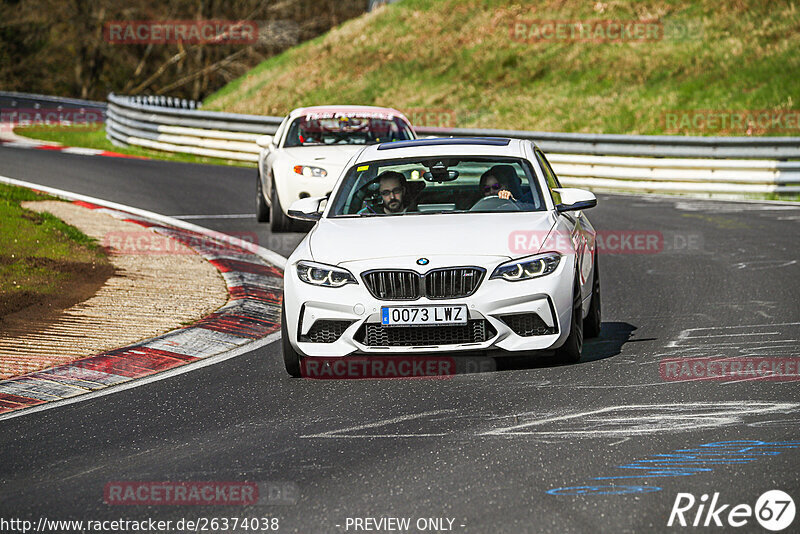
{"x": 311, "y": 148}
{"x": 443, "y": 245}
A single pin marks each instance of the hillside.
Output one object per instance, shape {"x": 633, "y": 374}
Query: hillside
{"x": 478, "y": 63}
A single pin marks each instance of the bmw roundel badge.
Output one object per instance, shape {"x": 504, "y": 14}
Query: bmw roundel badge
{"x": 423, "y": 261}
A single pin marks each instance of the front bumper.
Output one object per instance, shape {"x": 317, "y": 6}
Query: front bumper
{"x": 351, "y": 309}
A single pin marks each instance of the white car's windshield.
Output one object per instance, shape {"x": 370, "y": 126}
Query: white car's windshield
{"x": 437, "y": 185}
{"x": 357, "y": 128}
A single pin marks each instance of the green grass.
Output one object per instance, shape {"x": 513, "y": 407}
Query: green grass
{"x": 39, "y": 253}
{"x": 793, "y": 197}
{"x": 80, "y": 136}
{"x": 459, "y": 56}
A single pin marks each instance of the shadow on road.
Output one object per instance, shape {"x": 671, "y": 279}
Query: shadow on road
{"x": 613, "y": 335}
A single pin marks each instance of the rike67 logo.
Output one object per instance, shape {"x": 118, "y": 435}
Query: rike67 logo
{"x": 774, "y": 510}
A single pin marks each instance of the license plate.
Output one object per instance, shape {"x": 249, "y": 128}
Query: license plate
{"x": 423, "y": 315}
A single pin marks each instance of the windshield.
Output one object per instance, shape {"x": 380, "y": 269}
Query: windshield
{"x": 348, "y": 128}
{"x": 437, "y": 185}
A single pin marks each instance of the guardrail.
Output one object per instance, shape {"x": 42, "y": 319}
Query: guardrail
{"x": 657, "y": 163}
{"x": 673, "y": 175}
{"x": 215, "y": 134}
{"x": 680, "y": 146}
{"x": 12, "y": 100}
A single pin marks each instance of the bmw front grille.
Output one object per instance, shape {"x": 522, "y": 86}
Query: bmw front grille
{"x": 444, "y": 283}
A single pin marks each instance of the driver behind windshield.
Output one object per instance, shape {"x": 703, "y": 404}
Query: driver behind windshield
{"x": 392, "y": 189}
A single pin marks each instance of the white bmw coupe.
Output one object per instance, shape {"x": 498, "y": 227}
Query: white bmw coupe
{"x": 311, "y": 148}
{"x": 443, "y": 245}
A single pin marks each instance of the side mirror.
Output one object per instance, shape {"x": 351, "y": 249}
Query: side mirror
{"x": 575, "y": 199}
{"x": 265, "y": 141}
{"x": 306, "y": 209}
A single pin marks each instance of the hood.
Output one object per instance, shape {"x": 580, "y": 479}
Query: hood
{"x": 341, "y": 240}
{"x": 322, "y": 154}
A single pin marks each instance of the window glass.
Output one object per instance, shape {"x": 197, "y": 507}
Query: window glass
{"x": 437, "y": 186}
{"x": 357, "y": 128}
{"x": 550, "y": 176}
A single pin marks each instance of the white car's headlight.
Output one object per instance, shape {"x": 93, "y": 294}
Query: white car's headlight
{"x": 305, "y": 170}
{"x": 527, "y": 268}
{"x": 319, "y": 274}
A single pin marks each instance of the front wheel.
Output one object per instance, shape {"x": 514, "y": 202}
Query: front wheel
{"x": 262, "y": 209}
{"x": 279, "y": 221}
{"x": 570, "y": 351}
{"x": 592, "y": 323}
{"x": 291, "y": 358}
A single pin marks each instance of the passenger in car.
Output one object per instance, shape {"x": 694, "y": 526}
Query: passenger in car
{"x": 503, "y": 181}
{"x": 490, "y": 184}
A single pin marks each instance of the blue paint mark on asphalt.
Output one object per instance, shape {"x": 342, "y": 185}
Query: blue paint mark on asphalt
{"x": 683, "y": 462}
{"x": 603, "y": 490}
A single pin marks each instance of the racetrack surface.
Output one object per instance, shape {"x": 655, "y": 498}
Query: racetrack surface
{"x": 482, "y": 449}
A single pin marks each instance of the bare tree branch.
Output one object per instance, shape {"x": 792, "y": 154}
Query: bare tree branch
{"x": 197, "y": 74}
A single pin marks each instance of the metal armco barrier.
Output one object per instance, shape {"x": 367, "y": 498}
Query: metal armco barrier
{"x": 11, "y": 100}
{"x": 134, "y": 121}
{"x": 679, "y": 146}
{"x": 673, "y": 175}
{"x": 650, "y": 163}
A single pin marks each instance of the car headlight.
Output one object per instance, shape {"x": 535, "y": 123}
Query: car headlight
{"x": 527, "y": 268}
{"x": 305, "y": 170}
{"x": 319, "y": 274}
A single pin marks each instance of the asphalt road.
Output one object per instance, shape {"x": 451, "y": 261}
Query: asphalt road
{"x": 532, "y": 447}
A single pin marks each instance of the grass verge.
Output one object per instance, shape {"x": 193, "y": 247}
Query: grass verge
{"x": 80, "y": 136}
{"x": 42, "y": 258}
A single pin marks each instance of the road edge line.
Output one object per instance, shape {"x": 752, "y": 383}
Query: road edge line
{"x": 266, "y": 255}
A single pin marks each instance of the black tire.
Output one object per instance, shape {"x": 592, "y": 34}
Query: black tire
{"x": 291, "y": 358}
{"x": 262, "y": 208}
{"x": 278, "y": 221}
{"x": 592, "y": 323}
{"x": 570, "y": 351}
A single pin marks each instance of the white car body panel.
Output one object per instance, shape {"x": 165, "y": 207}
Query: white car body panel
{"x": 362, "y": 244}
{"x": 281, "y": 162}
{"x": 401, "y": 236}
